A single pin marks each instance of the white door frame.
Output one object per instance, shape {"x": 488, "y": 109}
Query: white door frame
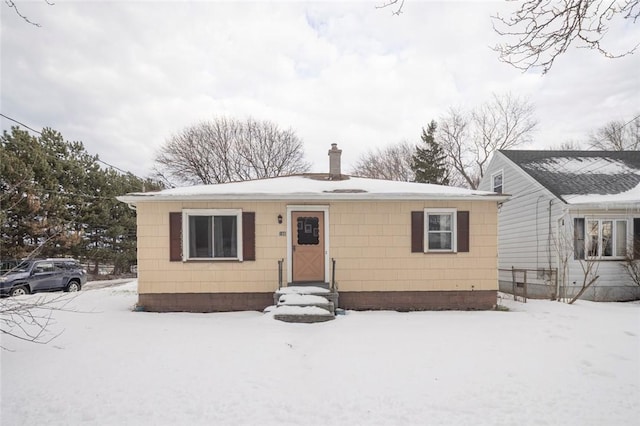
{"x": 307, "y": 208}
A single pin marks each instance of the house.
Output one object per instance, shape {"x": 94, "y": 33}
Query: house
{"x": 383, "y": 244}
{"x": 572, "y": 216}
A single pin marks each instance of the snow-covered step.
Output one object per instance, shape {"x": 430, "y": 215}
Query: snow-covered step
{"x": 306, "y": 290}
{"x": 305, "y": 304}
{"x": 302, "y": 314}
{"x": 295, "y": 299}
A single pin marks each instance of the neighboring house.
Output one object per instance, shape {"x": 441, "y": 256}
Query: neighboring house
{"x": 574, "y": 211}
{"x": 395, "y": 245}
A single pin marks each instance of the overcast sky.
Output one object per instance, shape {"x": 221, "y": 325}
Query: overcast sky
{"x": 124, "y": 76}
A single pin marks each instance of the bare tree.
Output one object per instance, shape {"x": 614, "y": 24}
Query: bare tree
{"x": 571, "y": 250}
{"x": 12, "y": 5}
{"x": 545, "y": 29}
{"x": 631, "y": 263}
{"x": 30, "y": 317}
{"x": 617, "y": 135}
{"x": 567, "y": 145}
{"x": 469, "y": 138}
{"x": 395, "y": 6}
{"x": 391, "y": 163}
{"x": 227, "y": 150}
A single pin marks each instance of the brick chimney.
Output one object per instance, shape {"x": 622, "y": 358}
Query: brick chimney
{"x": 334, "y": 162}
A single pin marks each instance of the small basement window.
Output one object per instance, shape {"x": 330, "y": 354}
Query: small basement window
{"x": 212, "y": 234}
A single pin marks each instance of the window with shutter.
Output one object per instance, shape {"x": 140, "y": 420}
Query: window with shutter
{"x": 439, "y": 231}
{"x": 227, "y": 234}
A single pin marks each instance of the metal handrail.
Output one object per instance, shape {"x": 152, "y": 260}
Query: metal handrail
{"x": 333, "y": 275}
{"x": 280, "y": 262}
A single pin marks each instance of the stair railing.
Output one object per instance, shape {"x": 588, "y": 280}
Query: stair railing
{"x": 280, "y": 263}
{"x": 333, "y": 275}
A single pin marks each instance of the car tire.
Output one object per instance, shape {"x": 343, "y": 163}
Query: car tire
{"x": 73, "y": 286}
{"x": 19, "y": 291}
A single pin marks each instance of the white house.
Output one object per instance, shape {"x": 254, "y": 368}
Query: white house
{"x": 572, "y": 216}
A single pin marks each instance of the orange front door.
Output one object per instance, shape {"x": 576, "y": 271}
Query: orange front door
{"x": 308, "y": 246}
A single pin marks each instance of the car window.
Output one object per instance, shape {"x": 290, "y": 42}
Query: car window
{"x": 67, "y": 265}
{"x": 43, "y": 267}
{"x": 24, "y": 266}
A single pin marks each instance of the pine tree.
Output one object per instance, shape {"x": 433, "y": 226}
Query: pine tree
{"x": 56, "y": 200}
{"x": 429, "y": 163}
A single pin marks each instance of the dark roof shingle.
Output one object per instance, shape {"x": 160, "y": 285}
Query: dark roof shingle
{"x": 580, "y": 172}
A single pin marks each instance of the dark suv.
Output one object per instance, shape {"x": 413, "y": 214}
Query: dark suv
{"x": 36, "y": 275}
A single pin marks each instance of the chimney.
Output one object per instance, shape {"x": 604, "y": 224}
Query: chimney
{"x": 334, "y": 162}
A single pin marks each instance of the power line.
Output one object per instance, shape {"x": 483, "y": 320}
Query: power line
{"x": 22, "y": 124}
{"x": 97, "y": 159}
{"x": 630, "y": 121}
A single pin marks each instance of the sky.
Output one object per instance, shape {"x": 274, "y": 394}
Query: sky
{"x": 122, "y": 77}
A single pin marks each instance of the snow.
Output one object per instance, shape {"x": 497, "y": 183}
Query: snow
{"x": 297, "y": 187}
{"x": 300, "y": 310}
{"x": 541, "y": 363}
{"x": 302, "y": 290}
{"x": 631, "y": 197}
{"x": 583, "y": 165}
{"x": 302, "y": 299}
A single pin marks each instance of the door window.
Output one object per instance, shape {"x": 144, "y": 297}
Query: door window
{"x": 308, "y": 231}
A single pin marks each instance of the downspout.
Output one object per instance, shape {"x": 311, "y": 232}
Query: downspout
{"x": 565, "y": 265}
{"x": 549, "y": 237}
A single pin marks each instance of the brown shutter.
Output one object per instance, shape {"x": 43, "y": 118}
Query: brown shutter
{"x": 636, "y": 237}
{"x": 175, "y": 236}
{"x": 248, "y": 236}
{"x": 578, "y": 238}
{"x": 417, "y": 232}
{"x": 463, "y": 231}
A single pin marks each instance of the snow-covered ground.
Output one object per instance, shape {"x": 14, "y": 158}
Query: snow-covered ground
{"x": 542, "y": 363}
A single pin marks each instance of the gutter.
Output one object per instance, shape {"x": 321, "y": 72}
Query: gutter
{"x": 133, "y": 199}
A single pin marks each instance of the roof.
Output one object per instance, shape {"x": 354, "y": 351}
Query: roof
{"x": 313, "y": 187}
{"x": 584, "y": 177}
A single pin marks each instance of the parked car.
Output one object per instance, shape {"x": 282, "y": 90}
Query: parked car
{"x": 36, "y": 275}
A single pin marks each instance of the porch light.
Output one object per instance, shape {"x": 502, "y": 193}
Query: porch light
{"x": 280, "y": 219}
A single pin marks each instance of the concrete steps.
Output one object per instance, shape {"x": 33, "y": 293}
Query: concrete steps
{"x": 304, "y": 304}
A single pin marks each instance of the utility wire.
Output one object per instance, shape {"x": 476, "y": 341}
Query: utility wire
{"x": 22, "y": 124}
{"x": 97, "y": 159}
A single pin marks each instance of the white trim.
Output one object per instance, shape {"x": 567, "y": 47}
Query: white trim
{"x": 307, "y": 208}
{"x": 302, "y": 197}
{"x": 211, "y": 212}
{"x": 454, "y": 229}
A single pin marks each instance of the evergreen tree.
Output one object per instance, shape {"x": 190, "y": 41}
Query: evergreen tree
{"x": 57, "y": 201}
{"x": 429, "y": 161}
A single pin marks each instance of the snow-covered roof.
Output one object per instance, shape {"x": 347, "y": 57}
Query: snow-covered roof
{"x": 580, "y": 178}
{"x": 313, "y": 187}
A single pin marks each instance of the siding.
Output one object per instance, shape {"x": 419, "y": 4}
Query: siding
{"x": 527, "y": 221}
{"x": 528, "y": 226}
{"x": 371, "y": 242}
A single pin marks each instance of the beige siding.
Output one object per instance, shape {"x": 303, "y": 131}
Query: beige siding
{"x": 371, "y": 242}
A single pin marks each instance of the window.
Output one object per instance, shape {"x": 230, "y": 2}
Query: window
{"x": 308, "y": 229}
{"x": 212, "y": 234}
{"x": 496, "y": 182}
{"x": 440, "y": 230}
{"x": 600, "y": 238}
{"x": 41, "y": 267}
